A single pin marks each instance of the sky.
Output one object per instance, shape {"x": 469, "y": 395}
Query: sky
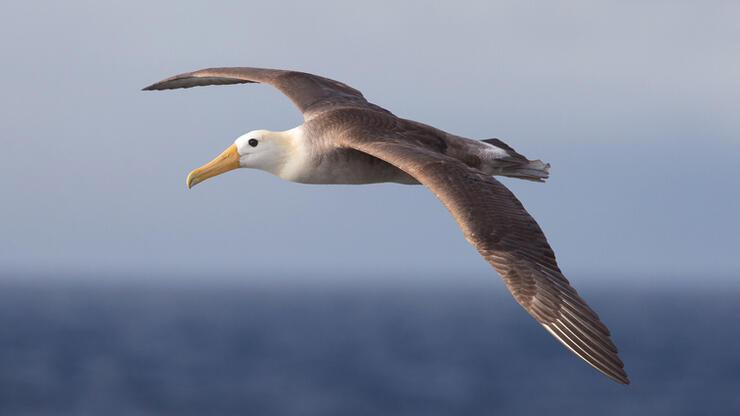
{"x": 635, "y": 105}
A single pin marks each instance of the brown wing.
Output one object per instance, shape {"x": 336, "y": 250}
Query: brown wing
{"x": 312, "y": 94}
{"x": 495, "y": 222}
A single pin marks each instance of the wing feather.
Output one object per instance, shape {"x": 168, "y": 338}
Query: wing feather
{"x": 312, "y": 94}
{"x": 490, "y": 216}
{"x": 497, "y": 225}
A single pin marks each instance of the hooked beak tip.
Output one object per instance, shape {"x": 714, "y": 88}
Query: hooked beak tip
{"x": 226, "y": 161}
{"x": 190, "y": 182}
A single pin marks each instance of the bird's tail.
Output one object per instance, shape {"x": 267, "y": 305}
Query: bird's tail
{"x": 515, "y": 165}
{"x": 531, "y": 170}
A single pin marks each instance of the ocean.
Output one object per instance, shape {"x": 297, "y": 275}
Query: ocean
{"x": 206, "y": 347}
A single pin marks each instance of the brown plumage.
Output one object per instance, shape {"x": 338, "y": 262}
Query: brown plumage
{"x": 341, "y": 124}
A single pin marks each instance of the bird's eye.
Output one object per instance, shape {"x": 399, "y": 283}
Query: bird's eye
{"x": 253, "y": 142}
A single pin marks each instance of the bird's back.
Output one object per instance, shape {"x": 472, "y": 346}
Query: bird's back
{"x": 331, "y": 164}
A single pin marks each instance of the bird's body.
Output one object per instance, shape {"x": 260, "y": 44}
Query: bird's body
{"x": 314, "y": 157}
{"x": 347, "y": 140}
{"x": 315, "y": 160}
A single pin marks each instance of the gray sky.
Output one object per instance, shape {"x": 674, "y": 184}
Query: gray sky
{"x": 635, "y": 105}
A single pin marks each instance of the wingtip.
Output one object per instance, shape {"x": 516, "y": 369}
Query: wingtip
{"x": 623, "y": 381}
{"x": 614, "y": 371}
{"x": 625, "y": 378}
{"x": 621, "y": 378}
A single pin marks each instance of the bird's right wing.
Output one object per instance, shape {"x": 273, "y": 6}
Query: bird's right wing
{"x": 497, "y": 225}
{"x": 312, "y": 94}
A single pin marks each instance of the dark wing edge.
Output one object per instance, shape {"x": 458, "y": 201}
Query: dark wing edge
{"x": 184, "y": 81}
{"x": 497, "y": 225}
{"x": 310, "y": 93}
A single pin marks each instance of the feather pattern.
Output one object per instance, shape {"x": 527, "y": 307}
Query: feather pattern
{"x": 342, "y": 126}
{"x": 497, "y": 225}
{"x": 312, "y": 94}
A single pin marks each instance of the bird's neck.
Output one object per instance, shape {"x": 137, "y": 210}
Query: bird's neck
{"x": 293, "y": 153}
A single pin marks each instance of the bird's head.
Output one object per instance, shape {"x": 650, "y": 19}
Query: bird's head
{"x": 258, "y": 149}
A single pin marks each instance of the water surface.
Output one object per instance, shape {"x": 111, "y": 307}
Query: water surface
{"x": 78, "y": 348}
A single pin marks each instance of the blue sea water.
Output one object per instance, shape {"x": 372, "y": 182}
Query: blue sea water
{"x": 86, "y": 348}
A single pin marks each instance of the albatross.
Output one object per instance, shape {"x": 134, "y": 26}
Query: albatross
{"x": 345, "y": 139}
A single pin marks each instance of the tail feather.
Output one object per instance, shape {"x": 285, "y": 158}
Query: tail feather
{"x": 515, "y": 165}
{"x": 532, "y": 170}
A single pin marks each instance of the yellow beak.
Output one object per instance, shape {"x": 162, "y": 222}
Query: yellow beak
{"x": 224, "y": 162}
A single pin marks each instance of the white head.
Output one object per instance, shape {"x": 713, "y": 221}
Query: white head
{"x": 258, "y": 149}
{"x": 261, "y": 149}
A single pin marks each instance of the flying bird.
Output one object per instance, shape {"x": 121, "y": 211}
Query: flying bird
{"x": 345, "y": 139}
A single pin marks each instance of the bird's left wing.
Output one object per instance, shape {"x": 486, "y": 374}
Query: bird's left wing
{"x": 312, "y": 94}
{"x": 497, "y": 225}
